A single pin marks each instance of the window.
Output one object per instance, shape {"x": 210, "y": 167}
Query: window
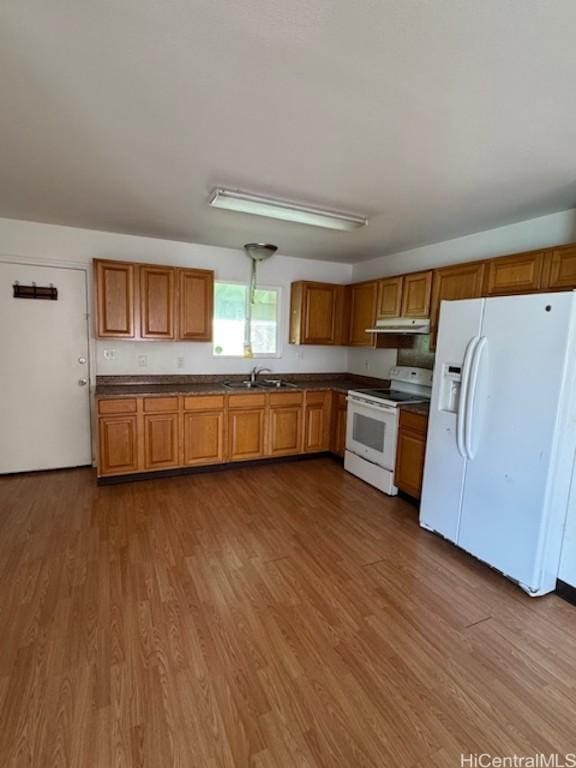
{"x": 230, "y": 311}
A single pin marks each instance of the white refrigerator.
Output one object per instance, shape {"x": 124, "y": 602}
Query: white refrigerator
{"x": 502, "y": 432}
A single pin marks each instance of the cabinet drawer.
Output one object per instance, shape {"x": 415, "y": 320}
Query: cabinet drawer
{"x": 247, "y": 401}
{"x": 160, "y": 404}
{"x": 279, "y": 399}
{"x": 122, "y": 405}
{"x": 204, "y": 402}
{"x": 417, "y": 422}
{"x": 316, "y": 398}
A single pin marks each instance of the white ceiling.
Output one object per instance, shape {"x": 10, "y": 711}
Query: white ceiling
{"x": 435, "y": 118}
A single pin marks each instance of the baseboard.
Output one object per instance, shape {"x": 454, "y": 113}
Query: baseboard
{"x": 566, "y": 591}
{"x": 180, "y": 471}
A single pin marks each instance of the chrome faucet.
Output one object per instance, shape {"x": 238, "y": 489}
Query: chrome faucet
{"x": 255, "y": 372}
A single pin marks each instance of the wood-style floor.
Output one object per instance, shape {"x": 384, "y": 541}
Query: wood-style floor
{"x": 282, "y": 615}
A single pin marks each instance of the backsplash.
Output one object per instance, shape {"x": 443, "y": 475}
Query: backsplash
{"x": 419, "y": 356}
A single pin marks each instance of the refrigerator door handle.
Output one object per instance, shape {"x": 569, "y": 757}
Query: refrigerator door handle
{"x": 463, "y": 399}
{"x": 471, "y": 395}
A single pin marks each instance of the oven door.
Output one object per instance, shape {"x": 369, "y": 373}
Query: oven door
{"x": 372, "y": 432}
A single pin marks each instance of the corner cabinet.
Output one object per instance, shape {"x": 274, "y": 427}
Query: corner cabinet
{"x": 318, "y": 313}
{"x": 317, "y": 425}
{"x": 153, "y": 302}
{"x": 363, "y": 306}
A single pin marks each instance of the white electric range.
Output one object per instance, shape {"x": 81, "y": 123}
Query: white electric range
{"x": 372, "y": 425}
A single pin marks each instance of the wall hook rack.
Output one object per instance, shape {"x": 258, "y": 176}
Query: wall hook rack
{"x": 49, "y": 292}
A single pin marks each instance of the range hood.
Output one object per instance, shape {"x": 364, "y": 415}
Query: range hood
{"x": 401, "y": 325}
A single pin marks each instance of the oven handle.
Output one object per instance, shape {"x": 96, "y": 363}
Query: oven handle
{"x": 372, "y": 406}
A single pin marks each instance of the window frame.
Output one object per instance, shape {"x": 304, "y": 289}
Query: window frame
{"x": 256, "y": 355}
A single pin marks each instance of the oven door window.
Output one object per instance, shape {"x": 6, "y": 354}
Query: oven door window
{"x": 369, "y": 432}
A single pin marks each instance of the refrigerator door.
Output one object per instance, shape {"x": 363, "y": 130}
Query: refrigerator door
{"x": 445, "y": 465}
{"x": 516, "y": 387}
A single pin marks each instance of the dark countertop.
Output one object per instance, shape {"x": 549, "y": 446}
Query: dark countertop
{"x": 422, "y": 408}
{"x": 134, "y": 387}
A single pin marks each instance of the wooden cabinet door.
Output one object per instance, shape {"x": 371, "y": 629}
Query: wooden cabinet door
{"x": 317, "y": 422}
{"x": 157, "y": 302}
{"x": 285, "y": 430}
{"x": 462, "y": 281}
{"x": 195, "y": 304}
{"x": 363, "y": 298}
{"x": 115, "y": 299}
{"x": 509, "y": 275}
{"x": 161, "y": 443}
{"x": 416, "y": 294}
{"x": 117, "y": 444}
{"x": 390, "y": 297}
{"x": 319, "y": 313}
{"x": 410, "y": 462}
{"x": 246, "y": 434}
{"x": 560, "y": 269}
{"x": 203, "y": 437}
{"x": 339, "y": 414}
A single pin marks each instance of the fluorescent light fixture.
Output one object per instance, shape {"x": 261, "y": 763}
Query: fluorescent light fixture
{"x": 245, "y": 202}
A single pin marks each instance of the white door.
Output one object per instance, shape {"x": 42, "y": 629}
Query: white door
{"x": 520, "y": 373}
{"x": 44, "y": 372}
{"x": 445, "y": 465}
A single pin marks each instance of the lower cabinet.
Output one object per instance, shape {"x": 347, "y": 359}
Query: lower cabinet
{"x": 410, "y": 452}
{"x": 246, "y": 427}
{"x": 285, "y": 420}
{"x": 161, "y": 444}
{"x": 153, "y": 433}
{"x": 339, "y": 413}
{"x": 118, "y": 444}
{"x": 317, "y": 421}
{"x": 203, "y": 430}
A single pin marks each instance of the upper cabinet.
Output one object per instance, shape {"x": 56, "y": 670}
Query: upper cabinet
{"x": 462, "y": 281}
{"x": 318, "y": 313}
{"x": 157, "y": 301}
{"x": 148, "y": 301}
{"x": 196, "y": 304}
{"x": 405, "y": 296}
{"x": 115, "y": 283}
{"x": 560, "y": 269}
{"x": 521, "y": 273}
{"x": 363, "y": 300}
{"x": 390, "y": 297}
{"x": 416, "y": 294}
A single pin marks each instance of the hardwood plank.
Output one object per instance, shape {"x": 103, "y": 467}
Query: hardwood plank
{"x": 283, "y": 615}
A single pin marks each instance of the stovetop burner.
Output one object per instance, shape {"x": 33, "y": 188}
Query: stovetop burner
{"x": 394, "y": 395}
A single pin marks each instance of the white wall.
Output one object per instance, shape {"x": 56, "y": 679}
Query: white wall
{"x": 554, "y": 229}
{"x": 40, "y": 243}
{"x": 544, "y": 231}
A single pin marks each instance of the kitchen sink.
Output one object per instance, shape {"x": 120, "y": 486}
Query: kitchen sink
{"x": 275, "y": 384}
{"x": 241, "y": 384}
{"x": 264, "y": 384}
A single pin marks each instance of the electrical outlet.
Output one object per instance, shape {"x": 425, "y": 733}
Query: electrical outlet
{"x": 109, "y": 354}
{"x": 142, "y": 361}
{"x": 366, "y": 364}
{"x": 180, "y": 362}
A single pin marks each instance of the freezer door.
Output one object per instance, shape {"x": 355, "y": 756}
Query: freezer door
{"x": 445, "y": 465}
{"x": 519, "y": 371}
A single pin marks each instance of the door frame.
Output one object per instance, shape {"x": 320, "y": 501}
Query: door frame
{"x": 79, "y": 266}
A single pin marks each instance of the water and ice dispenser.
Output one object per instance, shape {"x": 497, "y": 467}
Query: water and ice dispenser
{"x": 450, "y": 387}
